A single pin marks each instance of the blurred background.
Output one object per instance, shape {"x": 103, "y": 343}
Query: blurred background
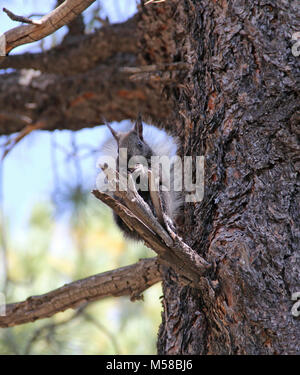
{"x": 53, "y": 231}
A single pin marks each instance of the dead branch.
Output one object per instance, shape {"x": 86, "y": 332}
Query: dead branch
{"x": 14, "y": 17}
{"x": 126, "y": 281}
{"x": 155, "y": 68}
{"x": 154, "y": 2}
{"x": 137, "y": 215}
{"x": 23, "y": 133}
{"x": 159, "y": 73}
{"x": 51, "y": 22}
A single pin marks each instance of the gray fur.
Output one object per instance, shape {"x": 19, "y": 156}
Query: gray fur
{"x": 147, "y": 141}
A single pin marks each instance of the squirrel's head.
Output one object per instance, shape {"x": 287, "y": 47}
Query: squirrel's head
{"x": 133, "y": 140}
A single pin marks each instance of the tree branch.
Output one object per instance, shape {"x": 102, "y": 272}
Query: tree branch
{"x": 76, "y": 102}
{"x": 84, "y": 82}
{"x": 14, "y": 17}
{"x": 126, "y": 281}
{"x": 51, "y": 22}
{"x": 137, "y": 215}
{"x": 82, "y": 52}
{"x": 75, "y": 27}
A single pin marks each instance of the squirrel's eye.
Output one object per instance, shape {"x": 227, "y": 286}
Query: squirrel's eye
{"x": 140, "y": 144}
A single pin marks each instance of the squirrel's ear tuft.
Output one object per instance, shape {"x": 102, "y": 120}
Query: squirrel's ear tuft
{"x": 138, "y": 126}
{"x": 113, "y": 132}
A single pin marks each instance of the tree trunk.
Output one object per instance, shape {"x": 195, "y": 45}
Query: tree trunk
{"x": 238, "y": 105}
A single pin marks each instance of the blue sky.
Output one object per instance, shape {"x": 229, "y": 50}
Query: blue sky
{"x": 27, "y": 171}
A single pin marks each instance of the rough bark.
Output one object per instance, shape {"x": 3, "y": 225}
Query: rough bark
{"x": 239, "y": 106}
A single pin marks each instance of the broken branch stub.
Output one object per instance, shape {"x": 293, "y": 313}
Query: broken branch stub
{"x": 157, "y": 232}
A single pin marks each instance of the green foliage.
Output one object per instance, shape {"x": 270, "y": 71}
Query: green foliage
{"x": 56, "y": 250}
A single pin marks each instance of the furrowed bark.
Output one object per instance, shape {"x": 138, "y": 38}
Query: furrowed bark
{"x": 239, "y": 107}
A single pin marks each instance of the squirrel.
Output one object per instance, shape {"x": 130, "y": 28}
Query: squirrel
{"x": 143, "y": 142}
